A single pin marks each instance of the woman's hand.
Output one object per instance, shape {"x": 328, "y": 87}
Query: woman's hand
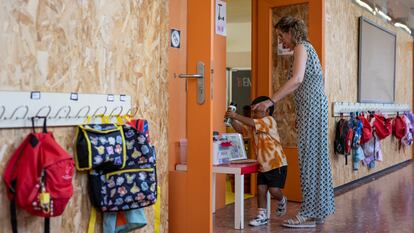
{"x": 262, "y": 106}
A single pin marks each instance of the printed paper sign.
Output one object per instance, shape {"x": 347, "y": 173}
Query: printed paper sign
{"x": 221, "y": 18}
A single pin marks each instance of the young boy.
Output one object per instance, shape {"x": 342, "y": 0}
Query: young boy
{"x": 272, "y": 161}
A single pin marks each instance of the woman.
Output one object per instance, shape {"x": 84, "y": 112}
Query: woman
{"x": 305, "y": 80}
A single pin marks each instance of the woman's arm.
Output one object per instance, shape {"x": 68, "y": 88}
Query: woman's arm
{"x": 299, "y": 65}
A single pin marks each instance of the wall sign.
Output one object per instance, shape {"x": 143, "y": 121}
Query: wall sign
{"x": 175, "y": 38}
{"x": 221, "y": 18}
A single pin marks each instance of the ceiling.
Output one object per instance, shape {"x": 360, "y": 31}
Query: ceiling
{"x": 239, "y": 11}
{"x": 399, "y": 10}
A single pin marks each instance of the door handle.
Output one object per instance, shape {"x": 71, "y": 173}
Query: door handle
{"x": 190, "y": 76}
{"x": 200, "y": 81}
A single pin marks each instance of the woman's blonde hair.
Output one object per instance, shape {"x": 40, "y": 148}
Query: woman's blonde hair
{"x": 295, "y": 26}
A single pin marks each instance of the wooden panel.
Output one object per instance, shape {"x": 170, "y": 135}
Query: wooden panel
{"x": 342, "y": 78}
{"x": 285, "y": 109}
{"x": 86, "y": 46}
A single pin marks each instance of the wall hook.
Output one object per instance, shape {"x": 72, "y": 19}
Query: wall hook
{"x": 80, "y": 110}
{"x": 3, "y": 111}
{"x": 60, "y": 109}
{"x": 113, "y": 110}
{"x": 97, "y": 110}
{"x": 40, "y": 110}
{"x": 17, "y": 109}
{"x": 130, "y": 111}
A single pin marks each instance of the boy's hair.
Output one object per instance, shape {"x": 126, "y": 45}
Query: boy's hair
{"x": 246, "y": 110}
{"x": 262, "y": 99}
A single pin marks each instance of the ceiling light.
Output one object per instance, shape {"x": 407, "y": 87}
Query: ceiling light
{"x": 365, "y": 5}
{"x": 403, "y": 26}
{"x": 383, "y": 15}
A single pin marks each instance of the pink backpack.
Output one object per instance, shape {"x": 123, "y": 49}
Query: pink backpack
{"x": 407, "y": 140}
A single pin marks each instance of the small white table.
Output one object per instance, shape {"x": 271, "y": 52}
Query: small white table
{"x": 238, "y": 170}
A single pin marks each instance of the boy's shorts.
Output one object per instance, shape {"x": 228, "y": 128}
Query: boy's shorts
{"x": 274, "y": 178}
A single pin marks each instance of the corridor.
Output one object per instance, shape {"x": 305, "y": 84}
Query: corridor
{"x": 385, "y": 204}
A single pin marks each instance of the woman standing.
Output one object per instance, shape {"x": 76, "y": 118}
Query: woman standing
{"x": 305, "y": 80}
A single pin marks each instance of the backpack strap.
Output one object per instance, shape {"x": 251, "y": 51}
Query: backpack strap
{"x": 47, "y": 225}
{"x": 13, "y": 215}
{"x": 92, "y": 220}
{"x": 44, "y": 124}
{"x": 157, "y": 211}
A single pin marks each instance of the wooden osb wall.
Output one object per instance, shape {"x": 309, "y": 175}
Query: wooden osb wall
{"x": 285, "y": 109}
{"x": 99, "y": 46}
{"x": 341, "y": 75}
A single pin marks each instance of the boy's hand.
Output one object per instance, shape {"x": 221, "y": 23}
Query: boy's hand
{"x": 230, "y": 114}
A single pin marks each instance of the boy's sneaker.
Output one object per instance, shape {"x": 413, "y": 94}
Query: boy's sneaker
{"x": 281, "y": 208}
{"x": 260, "y": 219}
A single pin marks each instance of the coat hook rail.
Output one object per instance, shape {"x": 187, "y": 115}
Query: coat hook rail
{"x": 61, "y": 109}
{"x": 3, "y": 110}
{"x": 114, "y": 110}
{"x": 345, "y": 108}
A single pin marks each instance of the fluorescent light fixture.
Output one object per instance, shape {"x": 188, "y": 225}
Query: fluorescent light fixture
{"x": 365, "y": 5}
{"x": 403, "y": 26}
{"x": 383, "y": 15}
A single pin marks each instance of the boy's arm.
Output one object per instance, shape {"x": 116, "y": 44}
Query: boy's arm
{"x": 237, "y": 126}
{"x": 245, "y": 120}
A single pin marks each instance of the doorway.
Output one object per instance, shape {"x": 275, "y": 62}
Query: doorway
{"x": 238, "y": 76}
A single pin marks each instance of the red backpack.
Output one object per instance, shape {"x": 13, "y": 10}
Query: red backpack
{"x": 382, "y": 125}
{"x": 366, "y": 130}
{"x": 399, "y": 127}
{"x": 38, "y": 177}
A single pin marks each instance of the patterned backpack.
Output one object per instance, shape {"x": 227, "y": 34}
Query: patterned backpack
{"x": 100, "y": 146}
{"x": 132, "y": 187}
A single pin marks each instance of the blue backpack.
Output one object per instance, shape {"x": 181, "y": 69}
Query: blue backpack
{"x": 134, "y": 186}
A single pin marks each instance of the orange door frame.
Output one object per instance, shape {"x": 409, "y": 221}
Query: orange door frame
{"x": 262, "y": 39}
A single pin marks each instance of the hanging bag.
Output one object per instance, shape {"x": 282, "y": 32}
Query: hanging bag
{"x": 366, "y": 132}
{"x": 133, "y": 187}
{"x": 100, "y": 146}
{"x": 383, "y": 126}
{"x": 38, "y": 177}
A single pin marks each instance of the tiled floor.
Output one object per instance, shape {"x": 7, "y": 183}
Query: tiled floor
{"x": 383, "y": 205}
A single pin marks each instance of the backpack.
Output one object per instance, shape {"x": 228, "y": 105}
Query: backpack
{"x": 142, "y": 126}
{"x": 382, "y": 126}
{"x": 132, "y": 187}
{"x": 366, "y": 132}
{"x": 100, "y": 146}
{"x": 38, "y": 177}
{"x": 410, "y": 116}
{"x": 407, "y": 140}
{"x": 399, "y": 127}
{"x": 356, "y": 142}
{"x": 343, "y": 138}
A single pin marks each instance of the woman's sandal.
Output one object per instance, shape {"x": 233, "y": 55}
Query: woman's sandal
{"x": 319, "y": 221}
{"x": 299, "y": 222}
